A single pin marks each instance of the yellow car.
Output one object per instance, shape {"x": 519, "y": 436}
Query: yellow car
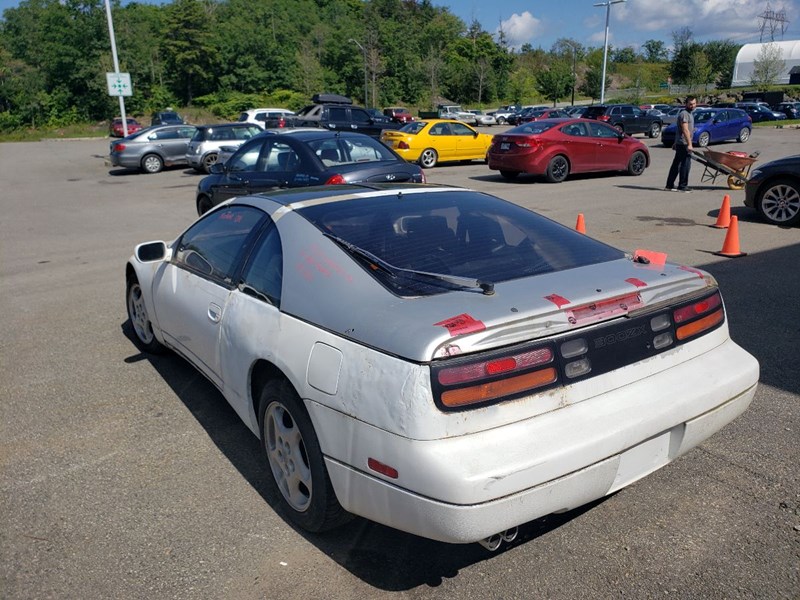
{"x": 432, "y": 141}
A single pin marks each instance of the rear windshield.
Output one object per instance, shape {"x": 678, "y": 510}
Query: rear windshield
{"x": 459, "y": 233}
{"x": 334, "y": 151}
{"x": 414, "y": 127}
{"x": 533, "y": 127}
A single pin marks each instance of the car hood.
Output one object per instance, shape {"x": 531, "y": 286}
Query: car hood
{"x": 425, "y": 328}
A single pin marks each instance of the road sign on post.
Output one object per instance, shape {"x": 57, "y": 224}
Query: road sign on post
{"x": 119, "y": 84}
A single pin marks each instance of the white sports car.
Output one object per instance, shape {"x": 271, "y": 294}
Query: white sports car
{"x": 437, "y": 359}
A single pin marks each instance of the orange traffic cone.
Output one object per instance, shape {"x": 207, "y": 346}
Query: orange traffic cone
{"x": 730, "y": 247}
{"x": 724, "y": 216}
{"x": 580, "y": 226}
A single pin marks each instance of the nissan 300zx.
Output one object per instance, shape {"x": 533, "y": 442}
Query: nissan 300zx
{"x": 437, "y": 359}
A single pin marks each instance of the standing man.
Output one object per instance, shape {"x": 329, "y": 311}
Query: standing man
{"x": 681, "y": 162}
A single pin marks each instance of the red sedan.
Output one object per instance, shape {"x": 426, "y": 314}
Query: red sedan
{"x": 557, "y": 147}
{"x": 116, "y": 129}
{"x": 547, "y": 113}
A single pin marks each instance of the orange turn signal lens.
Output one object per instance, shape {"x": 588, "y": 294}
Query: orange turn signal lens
{"x": 498, "y": 389}
{"x": 686, "y": 331}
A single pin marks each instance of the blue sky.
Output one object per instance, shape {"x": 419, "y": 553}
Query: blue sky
{"x": 540, "y": 23}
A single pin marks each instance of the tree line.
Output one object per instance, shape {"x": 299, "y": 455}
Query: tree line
{"x": 232, "y": 54}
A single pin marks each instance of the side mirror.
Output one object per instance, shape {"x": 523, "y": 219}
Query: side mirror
{"x": 217, "y": 168}
{"x": 620, "y": 136}
{"x": 151, "y": 251}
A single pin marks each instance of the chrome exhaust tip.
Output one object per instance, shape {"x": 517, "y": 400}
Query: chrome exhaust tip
{"x": 492, "y": 543}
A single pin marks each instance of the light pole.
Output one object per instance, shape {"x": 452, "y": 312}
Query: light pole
{"x": 607, "y": 4}
{"x": 366, "y": 89}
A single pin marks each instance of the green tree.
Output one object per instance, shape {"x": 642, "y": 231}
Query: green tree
{"x": 700, "y": 71}
{"x": 768, "y": 66}
{"x": 655, "y": 51}
{"x": 556, "y": 82}
{"x": 187, "y": 48}
{"x": 722, "y": 56}
{"x": 625, "y": 55}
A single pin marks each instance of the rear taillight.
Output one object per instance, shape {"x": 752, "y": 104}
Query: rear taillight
{"x": 464, "y": 382}
{"x": 119, "y": 147}
{"x": 468, "y": 382}
{"x": 698, "y": 317}
{"x": 603, "y": 118}
{"x": 402, "y": 145}
{"x": 281, "y": 122}
{"x": 335, "y": 180}
{"x": 528, "y": 142}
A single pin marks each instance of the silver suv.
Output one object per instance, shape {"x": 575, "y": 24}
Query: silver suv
{"x": 203, "y": 150}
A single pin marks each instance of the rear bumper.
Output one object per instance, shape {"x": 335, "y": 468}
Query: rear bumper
{"x": 466, "y": 488}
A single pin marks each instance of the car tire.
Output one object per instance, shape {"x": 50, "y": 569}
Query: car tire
{"x": 209, "y": 160}
{"x": 139, "y": 319}
{"x": 501, "y": 121}
{"x": 298, "y": 476}
{"x": 204, "y": 204}
{"x": 619, "y": 127}
{"x": 703, "y": 139}
{"x": 744, "y": 135}
{"x": 558, "y": 169}
{"x": 778, "y": 202}
{"x": 152, "y": 163}
{"x": 637, "y": 163}
{"x": 655, "y": 130}
{"x": 509, "y": 174}
{"x": 428, "y": 158}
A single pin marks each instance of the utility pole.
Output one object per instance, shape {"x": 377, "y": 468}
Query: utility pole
{"x": 366, "y": 81}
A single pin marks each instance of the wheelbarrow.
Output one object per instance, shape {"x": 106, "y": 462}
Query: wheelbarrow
{"x": 736, "y": 165}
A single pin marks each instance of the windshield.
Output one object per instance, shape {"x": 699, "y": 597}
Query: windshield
{"x": 459, "y": 233}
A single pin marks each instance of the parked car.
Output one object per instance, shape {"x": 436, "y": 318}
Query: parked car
{"x": 482, "y": 118}
{"x": 115, "y": 128}
{"x": 790, "y": 109}
{"x": 671, "y": 116}
{"x": 378, "y": 116}
{"x": 299, "y": 158}
{"x": 436, "y": 359}
{"x": 166, "y": 117}
{"x": 773, "y": 189}
{"x": 266, "y": 117}
{"x": 337, "y": 113}
{"x": 456, "y": 113}
{"x": 501, "y": 114}
{"x": 539, "y": 114}
{"x": 626, "y": 117}
{"x": 203, "y": 150}
{"x": 663, "y": 108}
{"x": 398, "y": 114}
{"x": 433, "y": 141}
{"x": 556, "y": 148}
{"x": 760, "y": 112}
{"x": 714, "y": 125}
{"x": 518, "y": 116}
{"x": 153, "y": 148}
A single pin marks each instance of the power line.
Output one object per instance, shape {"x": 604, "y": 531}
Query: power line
{"x": 772, "y": 20}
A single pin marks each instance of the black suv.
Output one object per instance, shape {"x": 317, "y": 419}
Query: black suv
{"x": 337, "y": 113}
{"x": 627, "y": 118}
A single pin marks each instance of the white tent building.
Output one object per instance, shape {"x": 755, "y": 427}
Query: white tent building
{"x": 748, "y": 54}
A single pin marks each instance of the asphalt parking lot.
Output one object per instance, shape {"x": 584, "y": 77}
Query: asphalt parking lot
{"x": 128, "y": 476}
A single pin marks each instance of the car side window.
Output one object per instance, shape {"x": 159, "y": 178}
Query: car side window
{"x": 279, "y": 156}
{"x": 574, "y": 130}
{"x": 459, "y": 129}
{"x": 247, "y": 158}
{"x": 603, "y": 131}
{"x": 214, "y": 245}
{"x": 615, "y": 111}
{"x": 360, "y": 116}
{"x": 635, "y": 111}
{"x": 440, "y": 129}
{"x": 337, "y": 114}
{"x": 264, "y": 271}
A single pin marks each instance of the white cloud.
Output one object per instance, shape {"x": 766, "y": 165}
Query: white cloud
{"x": 708, "y": 19}
{"x": 520, "y": 29}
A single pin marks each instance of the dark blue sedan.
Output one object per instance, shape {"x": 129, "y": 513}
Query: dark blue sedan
{"x": 714, "y": 125}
